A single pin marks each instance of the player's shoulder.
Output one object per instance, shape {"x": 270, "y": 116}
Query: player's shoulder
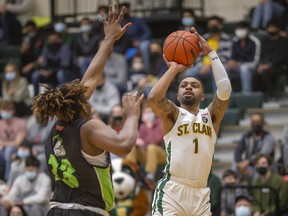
{"x": 92, "y": 124}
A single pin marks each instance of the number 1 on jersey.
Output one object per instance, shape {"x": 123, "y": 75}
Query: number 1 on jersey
{"x": 195, "y": 141}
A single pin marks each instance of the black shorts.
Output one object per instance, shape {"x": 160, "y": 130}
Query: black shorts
{"x": 70, "y": 212}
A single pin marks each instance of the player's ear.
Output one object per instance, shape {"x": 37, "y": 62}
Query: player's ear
{"x": 202, "y": 96}
{"x": 177, "y": 96}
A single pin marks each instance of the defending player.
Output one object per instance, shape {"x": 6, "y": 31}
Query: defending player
{"x": 190, "y": 135}
{"x": 77, "y": 147}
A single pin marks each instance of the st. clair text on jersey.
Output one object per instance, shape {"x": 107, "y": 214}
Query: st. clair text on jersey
{"x": 184, "y": 129}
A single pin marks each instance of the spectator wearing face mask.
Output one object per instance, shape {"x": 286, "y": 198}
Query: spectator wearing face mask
{"x": 31, "y": 47}
{"x": 245, "y": 56}
{"x": 60, "y": 27}
{"x": 139, "y": 33}
{"x": 56, "y": 66}
{"x": 18, "y": 164}
{"x": 149, "y": 150}
{"x": 116, "y": 122}
{"x": 264, "y": 200}
{"x": 15, "y": 88}
{"x": 157, "y": 63}
{"x": 253, "y": 142}
{"x": 273, "y": 59}
{"x": 243, "y": 206}
{"x": 97, "y": 26}
{"x": 116, "y": 119}
{"x": 136, "y": 71}
{"x": 219, "y": 41}
{"x": 32, "y": 190}
{"x": 188, "y": 20}
{"x": 13, "y": 131}
{"x": 86, "y": 45}
{"x": 229, "y": 192}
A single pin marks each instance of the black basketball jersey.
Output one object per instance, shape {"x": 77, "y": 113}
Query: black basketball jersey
{"x": 75, "y": 180}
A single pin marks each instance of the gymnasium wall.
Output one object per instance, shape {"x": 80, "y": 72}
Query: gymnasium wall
{"x": 231, "y": 10}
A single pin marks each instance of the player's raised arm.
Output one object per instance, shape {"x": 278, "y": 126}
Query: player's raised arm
{"x": 101, "y": 136}
{"x": 220, "y": 101}
{"x": 113, "y": 31}
{"x": 163, "y": 107}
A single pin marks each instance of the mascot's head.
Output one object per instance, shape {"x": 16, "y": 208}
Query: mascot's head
{"x": 124, "y": 178}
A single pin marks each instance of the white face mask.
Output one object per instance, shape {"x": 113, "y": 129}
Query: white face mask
{"x": 6, "y": 115}
{"x": 31, "y": 175}
{"x": 148, "y": 117}
{"x": 23, "y": 154}
{"x": 85, "y": 28}
{"x": 188, "y": 21}
{"x": 137, "y": 66}
{"x": 59, "y": 27}
{"x": 241, "y": 33}
{"x": 10, "y": 76}
{"x": 242, "y": 211}
{"x": 99, "y": 17}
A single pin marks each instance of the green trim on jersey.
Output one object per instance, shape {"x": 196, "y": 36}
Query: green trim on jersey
{"x": 167, "y": 167}
{"x": 157, "y": 203}
{"x": 106, "y": 186}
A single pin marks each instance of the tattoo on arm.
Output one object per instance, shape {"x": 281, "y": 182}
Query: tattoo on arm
{"x": 219, "y": 108}
{"x": 168, "y": 109}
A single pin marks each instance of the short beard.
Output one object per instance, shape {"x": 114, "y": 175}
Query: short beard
{"x": 189, "y": 101}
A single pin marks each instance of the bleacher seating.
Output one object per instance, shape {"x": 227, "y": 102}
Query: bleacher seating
{"x": 239, "y": 103}
{"x": 245, "y": 101}
{"x": 231, "y": 117}
{"x": 8, "y": 53}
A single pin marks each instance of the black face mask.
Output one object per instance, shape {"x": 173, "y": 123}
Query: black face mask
{"x": 126, "y": 16}
{"x": 273, "y": 33}
{"x": 54, "y": 46}
{"x": 230, "y": 184}
{"x": 155, "y": 55}
{"x": 213, "y": 29}
{"x": 257, "y": 129}
{"x": 117, "y": 118}
{"x": 262, "y": 170}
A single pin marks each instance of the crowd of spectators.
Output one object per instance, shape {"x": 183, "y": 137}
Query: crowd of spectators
{"x": 58, "y": 56}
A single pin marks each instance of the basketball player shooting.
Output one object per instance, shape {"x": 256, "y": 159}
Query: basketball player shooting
{"x": 190, "y": 134}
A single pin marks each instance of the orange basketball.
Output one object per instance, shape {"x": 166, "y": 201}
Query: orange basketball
{"x": 181, "y": 47}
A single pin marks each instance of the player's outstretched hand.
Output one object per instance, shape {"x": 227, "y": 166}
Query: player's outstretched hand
{"x": 205, "y": 48}
{"x": 178, "y": 67}
{"x": 131, "y": 104}
{"x": 112, "y": 26}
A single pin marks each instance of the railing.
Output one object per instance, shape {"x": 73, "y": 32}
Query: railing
{"x": 75, "y": 9}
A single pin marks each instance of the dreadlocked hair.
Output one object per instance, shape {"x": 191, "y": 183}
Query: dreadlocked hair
{"x": 64, "y": 102}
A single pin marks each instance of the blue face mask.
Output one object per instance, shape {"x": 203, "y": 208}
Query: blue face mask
{"x": 85, "y": 28}
{"x": 59, "y": 27}
{"x": 23, "y": 154}
{"x": 6, "y": 115}
{"x": 10, "y": 76}
{"x": 188, "y": 21}
{"x": 242, "y": 211}
{"x": 31, "y": 175}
